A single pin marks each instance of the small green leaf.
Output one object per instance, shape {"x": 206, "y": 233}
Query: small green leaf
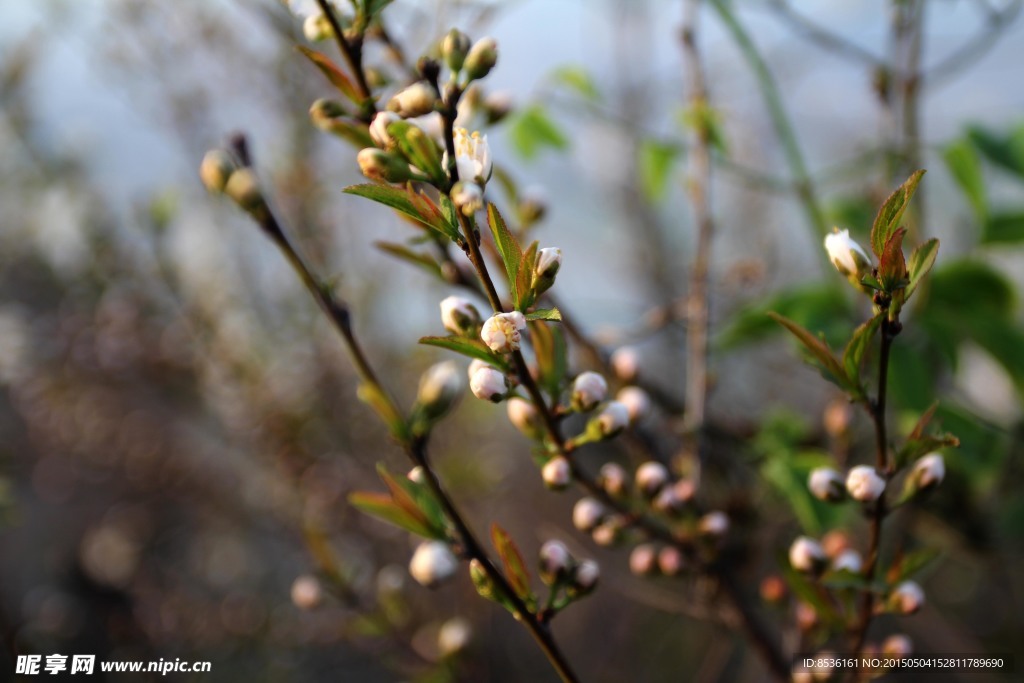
{"x": 805, "y": 589}
{"x": 891, "y": 213}
{"x": 655, "y": 160}
{"x": 999, "y": 149}
{"x": 816, "y": 307}
{"x": 375, "y": 7}
{"x": 515, "y": 570}
{"x": 963, "y": 163}
{"x": 915, "y": 448}
{"x": 922, "y": 422}
{"x": 545, "y": 314}
{"x": 911, "y": 565}
{"x": 508, "y": 247}
{"x": 414, "y": 499}
{"x": 420, "y": 149}
{"x": 525, "y": 278}
{"x": 531, "y": 130}
{"x": 892, "y": 267}
{"x": 550, "y": 351}
{"x": 1003, "y": 228}
{"x": 855, "y": 349}
{"x": 473, "y": 348}
{"x": 372, "y": 395}
{"x": 921, "y": 261}
{"x": 384, "y": 508}
{"x": 578, "y": 79}
{"x": 827, "y": 363}
{"x": 409, "y": 203}
{"x": 400, "y": 251}
{"x": 335, "y": 75}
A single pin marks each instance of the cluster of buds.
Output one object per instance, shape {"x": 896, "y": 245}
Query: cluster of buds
{"x": 647, "y": 559}
{"x": 221, "y": 174}
{"x": 432, "y": 563}
{"x": 558, "y": 568}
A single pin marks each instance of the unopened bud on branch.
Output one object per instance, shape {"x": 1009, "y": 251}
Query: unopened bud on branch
{"x": 459, "y": 316}
{"x": 806, "y": 555}
{"x": 379, "y": 129}
{"x": 376, "y": 164}
{"x": 650, "y": 478}
{"x": 440, "y": 387}
{"x": 906, "y": 598}
{"x": 432, "y": 563}
{"x": 501, "y": 332}
{"x": 928, "y": 471}
{"x": 557, "y": 473}
{"x": 555, "y": 561}
{"x": 487, "y": 383}
{"x": 588, "y": 390}
{"x": 244, "y": 189}
{"x": 846, "y": 255}
{"x": 864, "y": 484}
{"x": 455, "y": 47}
{"x": 481, "y": 58}
{"x": 215, "y": 170}
{"x": 587, "y": 514}
{"x": 826, "y": 484}
{"x": 468, "y": 197}
{"x": 415, "y": 100}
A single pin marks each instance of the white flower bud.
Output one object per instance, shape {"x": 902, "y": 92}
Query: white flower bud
{"x": 667, "y": 502}
{"x": 907, "y": 598}
{"x": 897, "y": 646}
{"x": 549, "y": 260}
{"x": 453, "y": 636}
{"x": 826, "y": 484}
{"x": 216, "y": 169}
{"x": 472, "y": 156}
{"x": 555, "y": 561}
{"x": 316, "y": 27}
{"x": 417, "y": 475}
{"x": 481, "y": 58}
{"x": 848, "y": 560}
{"x": 588, "y": 390}
{"x": 587, "y": 514}
{"x": 468, "y": 197}
{"x": 608, "y": 532}
{"x": 244, "y": 189}
{"x": 625, "y": 362}
{"x": 455, "y": 47}
{"x": 806, "y": 555}
{"x": 501, "y": 331}
{"x": 643, "y": 560}
{"x": 525, "y": 417}
{"x": 376, "y": 164}
{"x": 685, "y": 490}
{"x": 613, "y": 479}
{"x": 488, "y": 383}
{"x": 557, "y": 473}
{"x": 613, "y": 418}
{"x": 670, "y": 561}
{"x": 416, "y": 100}
{"x": 636, "y": 400}
{"x": 650, "y": 478}
{"x": 846, "y": 255}
{"x": 459, "y": 316}
{"x": 432, "y": 563}
{"x": 307, "y": 592}
{"x": 864, "y": 484}
{"x": 585, "y": 577}
{"x": 714, "y": 524}
{"x": 440, "y": 386}
{"x": 929, "y": 471}
{"x": 379, "y": 128}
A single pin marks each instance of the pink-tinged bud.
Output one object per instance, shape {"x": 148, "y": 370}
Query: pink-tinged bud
{"x": 666, "y": 501}
{"x": 906, "y": 598}
{"x": 835, "y": 542}
{"x": 806, "y": 555}
{"x": 806, "y": 616}
{"x": 525, "y": 417}
{"x": 626, "y": 363}
{"x": 714, "y": 524}
{"x": 459, "y": 316}
{"x": 671, "y": 561}
{"x": 439, "y": 389}
{"x": 501, "y": 332}
{"x": 826, "y": 484}
{"x": 416, "y": 100}
{"x": 379, "y": 128}
{"x": 637, "y": 402}
{"x": 608, "y": 532}
{"x": 216, "y": 169}
{"x": 549, "y": 260}
{"x": 585, "y": 576}
{"x": 488, "y": 384}
{"x": 417, "y": 475}
{"x": 864, "y": 484}
{"x": 587, "y": 514}
{"x": 849, "y": 560}
{"x": 453, "y": 636}
{"x": 685, "y": 490}
{"x": 643, "y": 561}
{"x": 897, "y": 646}
{"x": 588, "y": 389}
{"x": 612, "y": 419}
{"x": 613, "y": 479}
{"x": 468, "y": 197}
{"x": 306, "y": 592}
{"x": 481, "y": 58}
{"x": 846, "y": 255}
{"x": 773, "y": 589}
{"x": 650, "y": 478}
{"x": 555, "y": 561}
{"x": 557, "y": 473}
{"x": 432, "y": 563}
{"x": 376, "y": 164}
{"x": 929, "y": 471}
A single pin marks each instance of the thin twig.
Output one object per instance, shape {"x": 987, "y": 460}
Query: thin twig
{"x": 833, "y": 42}
{"x": 353, "y": 55}
{"x": 977, "y": 47}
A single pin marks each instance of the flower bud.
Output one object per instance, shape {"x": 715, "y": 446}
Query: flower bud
{"x": 806, "y": 555}
{"x": 481, "y": 581}
{"x": 846, "y": 255}
{"x": 244, "y": 189}
{"x": 376, "y": 164}
{"x": 625, "y": 362}
{"x": 837, "y": 417}
{"x": 671, "y": 561}
{"x": 432, "y": 563}
{"x": 849, "y": 560}
{"x": 806, "y": 616}
{"x": 468, "y": 197}
{"x": 549, "y": 260}
{"x": 459, "y": 316}
{"x": 587, "y": 514}
{"x": 906, "y": 598}
{"x": 897, "y": 646}
{"x": 316, "y": 27}
{"x": 608, "y": 532}
{"x": 488, "y": 383}
{"x": 417, "y": 475}
{"x": 584, "y": 577}
{"x": 612, "y": 419}
{"x": 379, "y": 129}
{"x": 685, "y": 490}
{"x": 453, "y": 636}
{"x": 636, "y": 400}
{"x": 415, "y": 100}
{"x": 588, "y": 390}
{"x": 773, "y": 589}
{"x": 714, "y": 524}
{"x": 826, "y": 484}
{"x": 216, "y": 169}
{"x": 481, "y": 58}
{"x": 501, "y": 331}
{"x": 323, "y": 111}
{"x": 557, "y": 473}
{"x": 667, "y": 502}
{"x": 455, "y": 48}
{"x": 555, "y": 561}
{"x": 643, "y": 561}
{"x": 307, "y": 592}
{"x": 613, "y": 479}
{"x": 835, "y": 542}
{"x": 440, "y": 387}
{"x": 525, "y": 417}
{"x": 864, "y": 484}
{"x": 650, "y": 478}
{"x": 928, "y": 471}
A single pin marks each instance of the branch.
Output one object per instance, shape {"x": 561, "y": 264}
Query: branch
{"x": 826, "y": 39}
{"x": 974, "y": 49}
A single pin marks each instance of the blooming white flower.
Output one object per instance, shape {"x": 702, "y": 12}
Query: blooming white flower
{"x": 806, "y": 555}
{"x": 929, "y": 471}
{"x": 501, "y": 331}
{"x": 848, "y": 560}
{"x": 826, "y": 484}
{"x": 415, "y": 100}
{"x": 432, "y": 563}
{"x": 379, "y": 128}
{"x": 587, "y": 514}
{"x": 864, "y": 483}
{"x": 650, "y": 477}
{"x": 714, "y": 524}
{"x": 487, "y": 383}
{"x": 458, "y": 315}
{"x": 549, "y": 260}
{"x": 440, "y": 385}
{"x": 846, "y": 255}
{"x": 613, "y": 418}
{"x": 625, "y": 362}
{"x": 907, "y": 597}
{"x": 554, "y": 561}
{"x": 588, "y": 389}
{"x": 307, "y": 592}
{"x": 585, "y": 577}
{"x": 636, "y": 400}
{"x": 468, "y": 197}
{"x": 472, "y": 156}
{"x": 557, "y": 473}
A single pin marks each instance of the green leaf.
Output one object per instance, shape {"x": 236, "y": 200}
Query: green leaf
{"x": 335, "y": 75}
{"x": 512, "y": 560}
{"x": 532, "y": 130}
{"x": 508, "y": 247}
{"x": 408, "y": 203}
{"x": 892, "y": 267}
{"x": 891, "y": 213}
{"x": 970, "y": 289}
{"x": 356, "y": 134}
{"x": 854, "y": 352}
{"x": 815, "y": 306}
{"x": 655, "y": 160}
{"x": 911, "y": 565}
{"x": 965, "y": 167}
{"x": 384, "y": 508}
{"x": 579, "y": 80}
{"x": 805, "y": 588}
{"x": 1003, "y": 228}
{"x": 414, "y": 499}
{"x": 525, "y": 278}
{"x": 545, "y": 314}
{"x": 375, "y": 7}
{"x": 1003, "y": 150}
{"x": 549, "y": 348}
{"x": 915, "y": 448}
{"x": 400, "y": 251}
{"x": 473, "y": 348}
{"x": 419, "y": 148}
{"x": 372, "y": 395}
{"x": 921, "y": 261}
{"x": 827, "y": 363}
{"x": 922, "y": 422}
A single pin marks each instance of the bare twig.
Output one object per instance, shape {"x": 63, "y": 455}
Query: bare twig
{"x": 996, "y": 22}
{"x": 828, "y": 40}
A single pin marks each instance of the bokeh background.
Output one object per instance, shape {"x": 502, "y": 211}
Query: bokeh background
{"x": 179, "y": 428}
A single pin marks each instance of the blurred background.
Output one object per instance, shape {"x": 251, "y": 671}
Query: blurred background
{"x": 179, "y": 428}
